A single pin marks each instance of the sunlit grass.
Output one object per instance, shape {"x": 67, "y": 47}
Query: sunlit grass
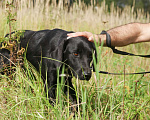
{"x": 102, "y": 96}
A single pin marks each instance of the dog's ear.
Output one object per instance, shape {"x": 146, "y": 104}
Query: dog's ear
{"x": 57, "y": 53}
{"x": 94, "y": 61}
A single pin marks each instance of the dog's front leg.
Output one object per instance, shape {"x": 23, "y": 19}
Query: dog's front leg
{"x": 50, "y": 86}
{"x": 69, "y": 89}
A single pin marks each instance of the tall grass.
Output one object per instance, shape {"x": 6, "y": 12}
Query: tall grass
{"x": 104, "y": 96}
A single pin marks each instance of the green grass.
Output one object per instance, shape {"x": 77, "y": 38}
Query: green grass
{"x": 104, "y": 96}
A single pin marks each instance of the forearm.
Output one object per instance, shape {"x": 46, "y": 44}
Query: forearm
{"x": 128, "y": 34}
{"x": 120, "y": 36}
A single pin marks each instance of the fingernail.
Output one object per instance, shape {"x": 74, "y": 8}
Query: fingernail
{"x": 68, "y": 37}
{"x": 90, "y": 38}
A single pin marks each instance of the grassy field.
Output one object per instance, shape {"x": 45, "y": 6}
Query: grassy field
{"x": 104, "y": 96}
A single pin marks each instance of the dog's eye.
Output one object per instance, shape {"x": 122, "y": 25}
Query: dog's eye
{"x": 75, "y": 54}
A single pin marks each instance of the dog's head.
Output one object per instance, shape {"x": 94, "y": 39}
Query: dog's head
{"x": 77, "y": 53}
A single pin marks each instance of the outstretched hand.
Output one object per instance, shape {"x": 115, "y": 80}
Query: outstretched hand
{"x": 90, "y": 36}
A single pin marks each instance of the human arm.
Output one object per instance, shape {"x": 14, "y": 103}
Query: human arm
{"x": 122, "y": 35}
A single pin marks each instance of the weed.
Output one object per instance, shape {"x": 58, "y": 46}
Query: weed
{"x": 104, "y": 96}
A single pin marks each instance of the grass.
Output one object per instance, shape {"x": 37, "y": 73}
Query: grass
{"x": 104, "y": 96}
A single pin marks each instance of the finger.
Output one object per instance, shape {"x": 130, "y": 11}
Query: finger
{"x": 76, "y": 34}
{"x": 91, "y": 38}
{"x": 70, "y": 35}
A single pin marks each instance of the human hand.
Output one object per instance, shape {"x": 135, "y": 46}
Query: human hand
{"x": 90, "y": 36}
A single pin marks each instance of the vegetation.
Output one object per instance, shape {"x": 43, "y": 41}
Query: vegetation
{"x": 104, "y": 96}
{"x": 138, "y": 4}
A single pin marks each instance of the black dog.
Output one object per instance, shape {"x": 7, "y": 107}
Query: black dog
{"x": 54, "y": 48}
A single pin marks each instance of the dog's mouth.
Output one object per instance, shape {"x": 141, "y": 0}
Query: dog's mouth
{"x": 82, "y": 75}
{"x": 85, "y": 77}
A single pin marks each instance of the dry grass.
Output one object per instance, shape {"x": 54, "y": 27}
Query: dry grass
{"x": 45, "y": 16}
{"x": 83, "y": 18}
